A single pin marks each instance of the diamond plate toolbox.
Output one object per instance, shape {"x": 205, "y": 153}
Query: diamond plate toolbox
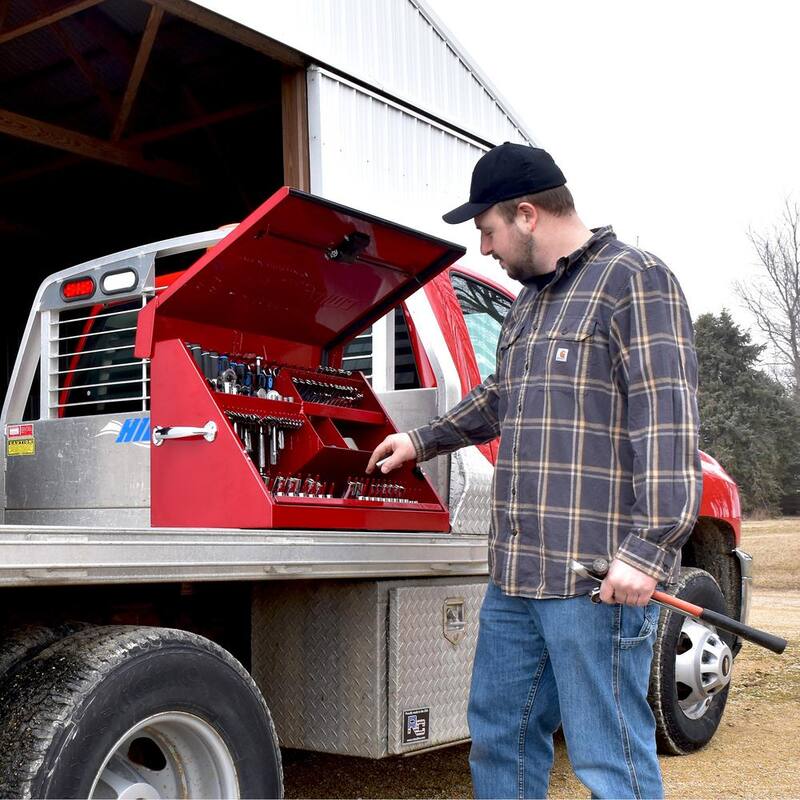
{"x": 429, "y": 662}
{"x": 366, "y": 668}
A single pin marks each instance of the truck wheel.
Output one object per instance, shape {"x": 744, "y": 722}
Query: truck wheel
{"x": 136, "y": 712}
{"x": 691, "y": 670}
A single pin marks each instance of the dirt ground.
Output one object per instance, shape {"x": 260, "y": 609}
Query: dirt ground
{"x": 755, "y": 754}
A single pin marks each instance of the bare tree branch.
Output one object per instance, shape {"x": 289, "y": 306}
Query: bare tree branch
{"x": 773, "y": 297}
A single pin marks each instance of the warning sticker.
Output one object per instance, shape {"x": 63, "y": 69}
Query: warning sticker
{"x": 416, "y": 725}
{"x": 20, "y": 440}
{"x": 21, "y": 447}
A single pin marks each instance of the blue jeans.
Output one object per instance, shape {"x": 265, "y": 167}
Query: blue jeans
{"x": 541, "y": 663}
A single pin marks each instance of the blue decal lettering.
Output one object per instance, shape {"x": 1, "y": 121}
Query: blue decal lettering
{"x": 143, "y": 434}
{"x": 127, "y": 431}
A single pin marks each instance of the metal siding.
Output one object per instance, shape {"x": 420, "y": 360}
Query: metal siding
{"x": 368, "y": 152}
{"x": 397, "y": 46}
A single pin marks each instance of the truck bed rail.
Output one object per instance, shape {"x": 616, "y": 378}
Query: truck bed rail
{"x": 60, "y": 555}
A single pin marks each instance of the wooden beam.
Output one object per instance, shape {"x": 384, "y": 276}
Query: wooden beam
{"x": 44, "y": 133}
{"x": 47, "y": 19}
{"x": 139, "y": 66}
{"x": 189, "y": 125}
{"x": 294, "y": 105}
{"x": 40, "y": 169}
{"x": 185, "y": 9}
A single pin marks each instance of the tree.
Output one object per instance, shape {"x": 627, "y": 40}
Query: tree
{"x": 773, "y": 298}
{"x": 748, "y": 420}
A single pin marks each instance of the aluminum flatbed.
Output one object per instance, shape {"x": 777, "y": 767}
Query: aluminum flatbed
{"x": 33, "y": 555}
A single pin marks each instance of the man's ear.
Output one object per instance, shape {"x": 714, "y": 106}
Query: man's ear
{"x": 528, "y": 216}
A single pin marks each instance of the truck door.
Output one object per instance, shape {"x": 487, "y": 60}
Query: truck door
{"x": 470, "y": 310}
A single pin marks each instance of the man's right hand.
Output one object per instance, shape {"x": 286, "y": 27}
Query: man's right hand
{"x": 398, "y": 446}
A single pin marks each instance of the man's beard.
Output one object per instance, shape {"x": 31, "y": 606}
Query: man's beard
{"x": 523, "y": 265}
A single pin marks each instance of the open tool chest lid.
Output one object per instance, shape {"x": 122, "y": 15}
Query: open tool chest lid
{"x": 301, "y": 270}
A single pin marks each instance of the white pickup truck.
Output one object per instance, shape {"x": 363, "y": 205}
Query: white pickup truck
{"x": 170, "y": 661}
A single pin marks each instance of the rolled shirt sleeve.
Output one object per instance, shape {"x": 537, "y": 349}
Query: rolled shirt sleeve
{"x": 652, "y": 348}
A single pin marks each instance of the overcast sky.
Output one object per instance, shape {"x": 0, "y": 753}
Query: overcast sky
{"x": 676, "y": 122}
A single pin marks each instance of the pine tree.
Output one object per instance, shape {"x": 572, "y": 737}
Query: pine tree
{"x": 748, "y": 420}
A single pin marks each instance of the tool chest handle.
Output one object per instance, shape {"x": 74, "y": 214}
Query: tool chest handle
{"x": 208, "y": 432}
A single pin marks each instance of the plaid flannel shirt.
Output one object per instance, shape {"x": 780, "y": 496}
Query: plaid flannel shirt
{"x": 593, "y": 397}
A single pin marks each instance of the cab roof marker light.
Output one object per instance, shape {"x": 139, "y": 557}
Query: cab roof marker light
{"x": 122, "y": 280}
{"x": 77, "y": 289}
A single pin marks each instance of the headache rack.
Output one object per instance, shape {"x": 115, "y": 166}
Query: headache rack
{"x": 79, "y": 349}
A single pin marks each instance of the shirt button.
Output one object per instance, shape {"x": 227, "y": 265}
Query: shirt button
{"x": 514, "y": 450}
{"x": 519, "y": 407}
{"x": 513, "y": 491}
{"x": 526, "y": 366}
{"x": 514, "y": 531}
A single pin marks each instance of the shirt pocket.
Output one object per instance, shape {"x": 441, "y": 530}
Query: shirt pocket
{"x": 508, "y": 350}
{"x": 568, "y": 352}
{"x": 507, "y": 338}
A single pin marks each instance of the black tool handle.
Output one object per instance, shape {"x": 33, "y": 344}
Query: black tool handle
{"x": 768, "y": 640}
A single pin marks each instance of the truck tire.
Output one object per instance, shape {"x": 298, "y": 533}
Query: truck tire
{"x": 17, "y": 645}
{"x": 691, "y": 671}
{"x": 136, "y": 712}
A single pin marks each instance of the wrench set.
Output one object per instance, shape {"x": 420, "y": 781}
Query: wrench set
{"x": 262, "y": 437}
{"x": 325, "y": 392}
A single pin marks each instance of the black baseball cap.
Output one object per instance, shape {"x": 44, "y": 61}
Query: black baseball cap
{"x": 506, "y": 171}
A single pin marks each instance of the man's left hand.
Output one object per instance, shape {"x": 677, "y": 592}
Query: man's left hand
{"x": 626, "y": 585}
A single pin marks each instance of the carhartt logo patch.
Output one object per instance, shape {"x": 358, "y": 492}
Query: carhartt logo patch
{"x": 561, "y": 354}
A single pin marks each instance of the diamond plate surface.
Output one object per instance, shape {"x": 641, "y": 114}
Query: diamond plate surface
{"x": 321, "y": 655}
{"x": 470, "y": 491}
{"x": 318, "y": 656}
{"x": 425, "y": 669}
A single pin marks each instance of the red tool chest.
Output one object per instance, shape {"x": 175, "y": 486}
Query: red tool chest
{"x": 255, "y": 423}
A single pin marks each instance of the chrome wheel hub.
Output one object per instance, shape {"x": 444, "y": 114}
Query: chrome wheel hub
{"x": 703, "y": 666}
{"x": 173, "y": 754}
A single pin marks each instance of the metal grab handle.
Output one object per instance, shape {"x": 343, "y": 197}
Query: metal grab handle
{"x": 208, "y": 432}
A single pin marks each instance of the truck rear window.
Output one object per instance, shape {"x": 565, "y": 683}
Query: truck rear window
{"x": 97, "y": 372}
{"x": 358, "y": 354}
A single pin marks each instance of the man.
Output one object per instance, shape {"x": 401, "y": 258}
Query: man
{"x": 593, "y": 397}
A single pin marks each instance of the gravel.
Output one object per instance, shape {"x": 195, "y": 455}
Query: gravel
{"x": 753, "y": 755}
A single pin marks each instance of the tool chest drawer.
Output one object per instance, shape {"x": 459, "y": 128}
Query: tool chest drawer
{"x": 255, "y": 423}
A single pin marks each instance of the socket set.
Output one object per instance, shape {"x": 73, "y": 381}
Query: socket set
{"x": 370, "y": 490}
{"x": 267, "y": 429}
{"x": 246, "y": 375}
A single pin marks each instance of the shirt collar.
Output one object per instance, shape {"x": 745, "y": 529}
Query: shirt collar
{"x": 588, "y": 248}
{"x": 574, "y": 259}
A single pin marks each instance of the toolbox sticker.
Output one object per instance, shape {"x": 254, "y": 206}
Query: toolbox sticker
{"x": 134, "y": 430}
{"x": 416, "y": 725}
{"x": 20, "y": 440}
